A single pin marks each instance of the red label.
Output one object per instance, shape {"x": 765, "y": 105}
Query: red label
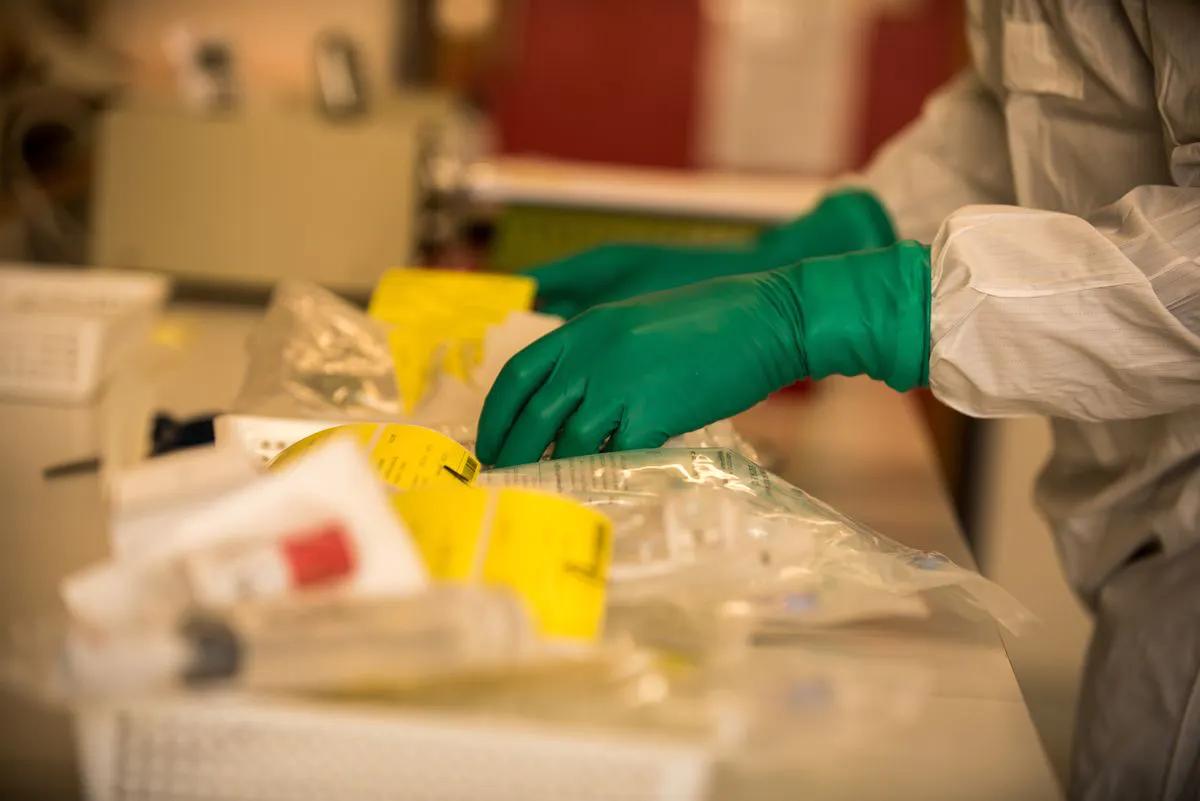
{"x": 318, "y": 555}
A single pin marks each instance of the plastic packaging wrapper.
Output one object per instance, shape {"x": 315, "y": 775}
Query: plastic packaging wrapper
{"x": 709, "y": 529}
{"x": 317, "y": 356}
{"x": 314, "y": 355}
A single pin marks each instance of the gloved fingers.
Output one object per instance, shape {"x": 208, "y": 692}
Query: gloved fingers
{"x": 563, "y": 308}
{"x": 586, "y": 429}
{"x": 630, "y": 436}
{"x": 555, "y": 276}
{"x": 540, "y": 421}
{"x": 519, "y": 379}
{"x": 563, "y": 286}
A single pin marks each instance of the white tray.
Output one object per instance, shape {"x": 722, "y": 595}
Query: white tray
{"x": 64, "y": 331}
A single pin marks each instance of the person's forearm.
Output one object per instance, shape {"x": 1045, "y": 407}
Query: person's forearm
{"x": 1042, "y": 313}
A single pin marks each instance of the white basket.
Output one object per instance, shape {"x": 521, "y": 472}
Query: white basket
{"x": 63, "y": 331}
{"x": 228, "y": 749}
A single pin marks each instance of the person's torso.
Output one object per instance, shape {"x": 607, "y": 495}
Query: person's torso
{"x": 1088, "y": 95}
{"x": 1078, "y": 89}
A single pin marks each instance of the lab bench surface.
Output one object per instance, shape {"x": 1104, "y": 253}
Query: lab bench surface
{"x": 852, "y": 443}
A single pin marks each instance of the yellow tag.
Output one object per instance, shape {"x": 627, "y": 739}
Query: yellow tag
{"x": 413, "y": 355}
{"x": 404, "y": 456}
{"x": 405, "y": 291}
{"x": 439, "y": 318}
{"x": 553, "y": 551}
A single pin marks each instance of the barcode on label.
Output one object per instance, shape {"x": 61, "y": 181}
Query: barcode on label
{"x": 470, "y": 468}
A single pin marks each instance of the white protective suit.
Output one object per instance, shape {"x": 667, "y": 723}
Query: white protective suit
{"x": 1059, "y": 182}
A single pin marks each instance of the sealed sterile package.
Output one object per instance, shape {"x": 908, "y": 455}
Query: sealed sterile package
{"x": 709, "y": 528}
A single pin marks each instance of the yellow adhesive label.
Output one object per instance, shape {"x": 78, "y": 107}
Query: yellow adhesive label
{"x": 553, "y": 551}
{"x": 405, "y": 291}
{"x": 404, "y": 456}
{"x": 414, "y": 354}
{"x": 439, "y": 318}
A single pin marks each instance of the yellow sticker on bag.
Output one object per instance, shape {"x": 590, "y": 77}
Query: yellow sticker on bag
{"x": 438, "y": 319}
{"x": 414, "y": 354}
{"x": 555, "y": 553}
{"x": 405, "y": 292}
{"x": 405, "y": 457}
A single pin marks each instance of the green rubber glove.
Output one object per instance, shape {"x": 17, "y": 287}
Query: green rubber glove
{"x": 634, "y": 373}
{"x": 844, "y": 221}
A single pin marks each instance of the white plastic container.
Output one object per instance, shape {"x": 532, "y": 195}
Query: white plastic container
{"x": 63, "y": 331}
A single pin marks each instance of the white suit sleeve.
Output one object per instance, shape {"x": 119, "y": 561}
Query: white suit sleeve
{"x": 934, "y": 166}
{"x": 1037, "y": 312}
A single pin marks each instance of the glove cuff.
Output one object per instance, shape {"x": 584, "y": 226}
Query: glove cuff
{"x": 867, "y": 312}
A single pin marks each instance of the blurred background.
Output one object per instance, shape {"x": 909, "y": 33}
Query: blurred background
{"x": 231, "y": 143}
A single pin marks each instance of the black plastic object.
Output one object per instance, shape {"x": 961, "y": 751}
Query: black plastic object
{"x": 215, "y": 650}
{"x": 170, "y": 434}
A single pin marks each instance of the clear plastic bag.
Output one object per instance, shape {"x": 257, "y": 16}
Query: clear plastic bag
{"x": 708, "y": 528}
{"x": 721, "y": 434}
{"x": 316, "y": 355}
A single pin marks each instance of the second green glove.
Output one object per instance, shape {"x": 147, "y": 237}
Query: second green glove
{"x": 844, "y": 221}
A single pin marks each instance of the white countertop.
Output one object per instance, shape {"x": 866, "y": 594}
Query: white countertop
{"x": 854, "y": 444}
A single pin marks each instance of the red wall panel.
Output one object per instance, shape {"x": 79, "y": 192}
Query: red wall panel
{"x": 602, "y": 80}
